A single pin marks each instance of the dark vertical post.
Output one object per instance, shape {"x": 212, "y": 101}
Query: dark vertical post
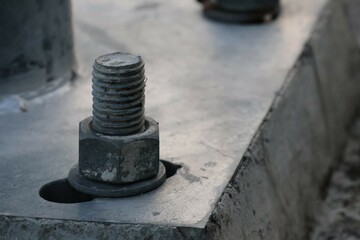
{"x": 36, "y": 44}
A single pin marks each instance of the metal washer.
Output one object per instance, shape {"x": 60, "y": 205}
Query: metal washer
{"x": 102, "y": 189}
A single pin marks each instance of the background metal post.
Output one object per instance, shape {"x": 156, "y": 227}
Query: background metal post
{"x": 36, "y": 44}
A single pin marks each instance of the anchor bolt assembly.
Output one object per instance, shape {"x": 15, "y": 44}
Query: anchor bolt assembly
{"x": 118, "y": 145}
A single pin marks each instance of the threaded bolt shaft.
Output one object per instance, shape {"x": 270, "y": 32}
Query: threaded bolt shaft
{"x": 118, "y": 94}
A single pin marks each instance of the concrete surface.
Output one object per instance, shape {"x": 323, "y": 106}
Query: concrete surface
{"x": 278, "y": 190}
{"x": 210, "y": 87}
{"x": 339, "y": 218}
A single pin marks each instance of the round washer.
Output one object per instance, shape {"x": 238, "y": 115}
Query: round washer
{"x": 102, "y": 189}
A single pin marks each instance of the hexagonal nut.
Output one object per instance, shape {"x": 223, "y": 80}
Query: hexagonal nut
{"x": 119, "y": 159}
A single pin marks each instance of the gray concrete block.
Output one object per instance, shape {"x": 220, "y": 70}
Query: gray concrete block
{"x": 250, "y": 207}
{"x": 337, "y": 59}
{"x": 353, "y": 10}
{"x": 276, "y": 188}
{"x": 32, "y": 228}
{"x": 299, "y": 140}
{"x": 269, "y": 194}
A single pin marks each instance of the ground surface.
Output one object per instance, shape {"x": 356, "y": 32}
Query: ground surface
{"x": 341, "y": 217}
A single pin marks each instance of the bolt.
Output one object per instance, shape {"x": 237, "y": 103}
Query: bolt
{"x": 118, "y": 145}
{"x": 241, "y": 11}
{"x": 118, "y": 94}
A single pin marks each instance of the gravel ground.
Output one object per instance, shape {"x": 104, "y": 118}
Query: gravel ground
{"x": 341, "y": 214}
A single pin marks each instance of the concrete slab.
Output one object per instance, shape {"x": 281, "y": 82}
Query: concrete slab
{"x": 210, "y": 86}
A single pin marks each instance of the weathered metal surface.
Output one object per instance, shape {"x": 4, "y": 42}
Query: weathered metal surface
{"x": 210, "y": 86}
{"x": 118, "y": 146}
{"x": 119, "y": 159}
{"x": 101, "y": 189}
{"x": 36, "y": 44}
{"x": 118, "y": 94}
{"x": 242, "y": 10}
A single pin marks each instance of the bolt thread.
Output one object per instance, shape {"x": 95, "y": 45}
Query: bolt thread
{"x": 118, "y": 91}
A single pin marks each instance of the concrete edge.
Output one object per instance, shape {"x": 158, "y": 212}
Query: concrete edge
{"x": 278, "y": 187}
{"x": 36, "y": 228}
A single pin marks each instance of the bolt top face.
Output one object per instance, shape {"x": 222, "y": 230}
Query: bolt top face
{"x": 118, "y": 60}
{"x": 118, "y": 94}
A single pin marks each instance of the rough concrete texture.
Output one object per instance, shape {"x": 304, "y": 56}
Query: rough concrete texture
{"x": 338, "y": 70}
{"x": 354, "y": 13}
{"x": 340, "y": 218}
{"x": 340, "y": 214}
{"x": 277, "y": 190}
{"x": 32, "y": 228}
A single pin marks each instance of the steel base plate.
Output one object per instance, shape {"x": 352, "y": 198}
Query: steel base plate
{"x": 102, "y": 189}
